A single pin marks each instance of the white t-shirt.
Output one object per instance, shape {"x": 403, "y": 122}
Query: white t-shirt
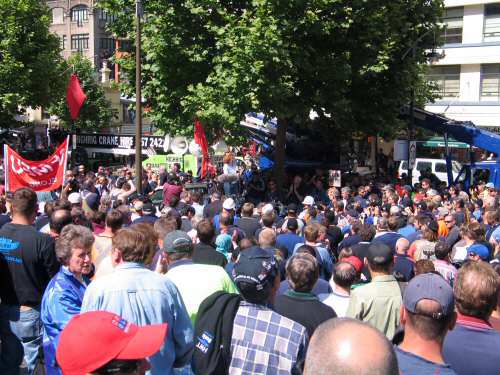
{"x": 338, "y": 302}
{"x": 230, "y": 168}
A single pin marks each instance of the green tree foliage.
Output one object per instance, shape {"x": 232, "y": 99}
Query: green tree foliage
{"x": 346, "y": 60}
{"x": 96, "y": 111}
{"x": 29, "y": 58}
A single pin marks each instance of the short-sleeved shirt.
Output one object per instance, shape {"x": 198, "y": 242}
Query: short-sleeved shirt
{"x": 265, "y": 342}
{"x": 472, "y": 347}
{"x": 207, "y": 278}
{"x": 411, "y": 364}
{"x": 377, "y": 303}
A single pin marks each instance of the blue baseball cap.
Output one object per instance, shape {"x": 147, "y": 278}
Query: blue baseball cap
{"x": 478, "y": 249}
{"x": 429, "y": 286}
{"x": 255, "y": 267}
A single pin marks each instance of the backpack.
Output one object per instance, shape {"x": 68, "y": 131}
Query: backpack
{"x": 212, "y": 333}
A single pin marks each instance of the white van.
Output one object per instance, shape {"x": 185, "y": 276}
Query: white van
{"x": 437, "y": 166}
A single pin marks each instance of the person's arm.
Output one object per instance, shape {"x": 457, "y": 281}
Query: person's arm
{"x": 49, "y": 259}
{"x": 63, "y": 306}
{"x": 354, "y": 310}
{"x": 182, "y": 328}
{"x": 228, "y": 285}
{"x": 90, "y": 299}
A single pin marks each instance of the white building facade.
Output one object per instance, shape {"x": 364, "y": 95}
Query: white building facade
{"x": 468, "y": 77}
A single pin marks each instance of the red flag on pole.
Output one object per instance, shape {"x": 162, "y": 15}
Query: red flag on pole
{"x": 201, "y": 140}
{"x": 74, "y": 96}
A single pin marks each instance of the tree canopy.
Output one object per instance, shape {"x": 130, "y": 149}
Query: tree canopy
{"x": 30, "y": 58}
{"x": 217, "y": 60}
{"x": 96, "y": 111}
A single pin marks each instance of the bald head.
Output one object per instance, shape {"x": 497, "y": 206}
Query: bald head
{"x": 345, "y": 346}
{"x": 402, "y": 246}
{"x": 267, "y": 238}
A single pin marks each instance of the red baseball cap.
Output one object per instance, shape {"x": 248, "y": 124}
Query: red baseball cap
{"x": 92, "y": 339}
{"x": 354, "y": 261}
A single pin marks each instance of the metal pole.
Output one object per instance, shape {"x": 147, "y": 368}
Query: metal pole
{"x": 411, "y": 127}
{"x": 138, "y": 98}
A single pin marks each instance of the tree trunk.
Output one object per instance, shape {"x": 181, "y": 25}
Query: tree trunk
{"x": 279, "y": 153}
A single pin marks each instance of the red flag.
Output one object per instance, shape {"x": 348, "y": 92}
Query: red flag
{"x": 74, "y": 96}
{"x": 201, "y": 140}
{"x": 44, "y": 175}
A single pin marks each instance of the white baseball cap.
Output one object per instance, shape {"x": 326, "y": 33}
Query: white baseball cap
{"x": 75, "y": 198}
{"x": 229, "y": 204}
{"x": 267, "y": 209}
{"x": 308, "y": 200}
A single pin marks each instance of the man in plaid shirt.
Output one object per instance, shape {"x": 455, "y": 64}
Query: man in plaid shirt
{"x": 263, "y": 341}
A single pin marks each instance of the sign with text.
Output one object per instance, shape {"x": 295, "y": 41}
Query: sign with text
{"x": 44, "y": 175}
{"x": 120, "y": 141}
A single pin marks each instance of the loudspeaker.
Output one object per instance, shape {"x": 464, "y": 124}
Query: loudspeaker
{"x": 179, "y": 145}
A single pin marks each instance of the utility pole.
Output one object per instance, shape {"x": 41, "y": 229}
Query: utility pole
{"x": 138, "y": 98}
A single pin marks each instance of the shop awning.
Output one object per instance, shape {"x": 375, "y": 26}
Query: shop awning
{"x": 439, "y": 142}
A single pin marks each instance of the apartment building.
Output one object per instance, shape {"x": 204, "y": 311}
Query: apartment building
{"x": 468, "y": 77}
{"x": 82, "y": 28}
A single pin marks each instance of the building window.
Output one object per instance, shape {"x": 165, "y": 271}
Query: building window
{"x": 446, "y": 80}
{"x": 453, "y": 20}
{"x": 107, "y": 44}
{"x": 57, "y": 16}
{"x": 490, "y": 82}
{"x": 106, "y": 16}
{"x": 491, "y": 22}
{"x": 80, "y": 14}
{"x": 79, "y": 42}
{"x": 62, "y": 40}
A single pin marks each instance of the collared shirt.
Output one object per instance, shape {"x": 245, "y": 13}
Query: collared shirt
{"x": 61, "y": 301}
{"x": 207, "y": 280}
{"x": 471, "y": 348}
{"x": 377, "y": 303}
{"x": 447, "y": 270}
{"x": 144, "y": 297}
{"x": 264, "y": 342}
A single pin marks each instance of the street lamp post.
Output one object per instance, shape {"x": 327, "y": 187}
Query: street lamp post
{"x": 138, "y": 98}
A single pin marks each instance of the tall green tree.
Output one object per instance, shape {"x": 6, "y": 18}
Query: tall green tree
{"x": 96, "y": 111}
{"x": 345, "y": 59}
{"x": 30, "y": 61}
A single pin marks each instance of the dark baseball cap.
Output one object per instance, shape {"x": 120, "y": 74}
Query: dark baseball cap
{"x": 177, "y": 242}
{"x": 292, "y": 207}
{"x": 379, "y": 253}
{"x": 255, "y": 267}
{"x": 429, "y": 286}
{"x": 422, "y": 206}
{"x": 148, "y": 208}
{"x": 292, "y": 224}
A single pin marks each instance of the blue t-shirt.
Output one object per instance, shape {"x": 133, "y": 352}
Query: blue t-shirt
{"x": 288, "y": 241}
{"x": 411, "y": 364}
{"x": 472, "y": 348}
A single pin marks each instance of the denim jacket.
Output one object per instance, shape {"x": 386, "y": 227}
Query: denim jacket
{"x": 144, "y": 297}
{"x": 61, "y": 301}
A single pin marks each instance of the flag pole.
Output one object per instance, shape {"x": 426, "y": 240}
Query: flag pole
{"x": 138, "y": 99}
{"x": 66, "y": 162}
{"x": 5, "y": 168}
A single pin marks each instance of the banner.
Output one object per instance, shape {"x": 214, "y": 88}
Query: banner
{"x": 44, "y": 175}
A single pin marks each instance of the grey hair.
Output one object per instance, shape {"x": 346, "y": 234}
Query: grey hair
{"x": 72, "y": 236}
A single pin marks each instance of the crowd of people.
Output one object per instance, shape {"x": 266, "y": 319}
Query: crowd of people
{"x": 248, "y": 278}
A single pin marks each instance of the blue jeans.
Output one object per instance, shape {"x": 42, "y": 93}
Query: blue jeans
{"x": 25, "y": 329}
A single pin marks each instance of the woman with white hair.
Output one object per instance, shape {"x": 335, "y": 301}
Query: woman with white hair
{"x": 64, "y": 295}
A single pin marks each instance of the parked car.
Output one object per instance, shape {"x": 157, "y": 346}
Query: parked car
{"x": 436, "y": 166}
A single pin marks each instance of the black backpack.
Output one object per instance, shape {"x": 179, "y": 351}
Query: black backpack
{"x": 212, "y": 333}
